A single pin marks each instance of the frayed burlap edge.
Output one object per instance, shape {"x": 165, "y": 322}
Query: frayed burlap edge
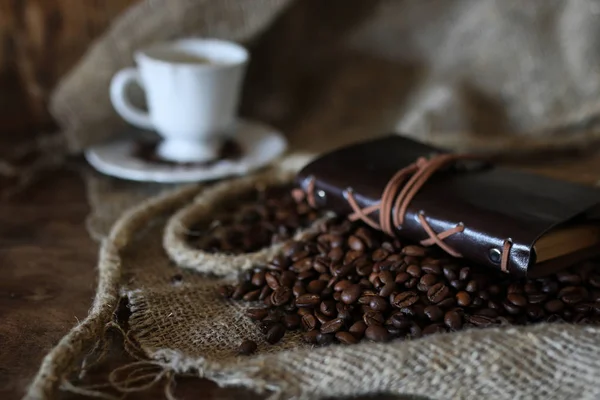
{"x": 63, "y": 358}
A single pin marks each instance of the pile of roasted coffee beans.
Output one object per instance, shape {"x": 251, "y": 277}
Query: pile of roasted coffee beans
{"x": 348, "y": 281}
{"x": 253, "y": 221}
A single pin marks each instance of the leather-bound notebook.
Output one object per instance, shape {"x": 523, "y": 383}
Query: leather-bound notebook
{"x": 506, "y": 219}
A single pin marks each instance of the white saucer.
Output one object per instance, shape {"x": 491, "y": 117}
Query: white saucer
{"x": 260, "y": 144}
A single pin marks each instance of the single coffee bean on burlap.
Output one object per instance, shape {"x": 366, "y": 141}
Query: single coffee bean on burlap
{"x": 247, "y": 347}
{"x": 275, "y": 333}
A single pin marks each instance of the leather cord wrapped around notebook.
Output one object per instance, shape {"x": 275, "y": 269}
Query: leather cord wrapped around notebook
{"x": 516, "y": 222}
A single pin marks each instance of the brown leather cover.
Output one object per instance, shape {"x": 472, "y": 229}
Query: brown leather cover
{"x": 493, "y": 203}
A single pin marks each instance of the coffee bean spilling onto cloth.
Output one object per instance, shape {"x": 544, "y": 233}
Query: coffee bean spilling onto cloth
{"x": 350, "y": 282}
{"x": 255, "y": 220}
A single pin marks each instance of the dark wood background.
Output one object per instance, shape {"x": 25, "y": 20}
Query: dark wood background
{"x": 39, "y": 41}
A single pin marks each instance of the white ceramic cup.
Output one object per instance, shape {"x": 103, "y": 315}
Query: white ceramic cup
{"x": 192, "y": 89}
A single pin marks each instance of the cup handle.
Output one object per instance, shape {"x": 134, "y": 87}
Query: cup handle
{"x": 118, "y": 97}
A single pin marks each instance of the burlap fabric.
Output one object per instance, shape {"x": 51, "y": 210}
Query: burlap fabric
{"x": 474, "y": 75}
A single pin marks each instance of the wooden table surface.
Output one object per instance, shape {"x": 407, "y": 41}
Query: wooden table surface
{"x": 48, "y": 276}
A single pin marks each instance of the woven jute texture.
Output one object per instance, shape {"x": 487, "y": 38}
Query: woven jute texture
{"x": 184, "y": 327}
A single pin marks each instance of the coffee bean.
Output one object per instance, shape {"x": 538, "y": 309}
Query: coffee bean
{"x": 309, "y": 322}
{"x": 351, "y": 256}
{"x": 530, "y": 287}
{"x": 328, "y": 308}
{"x": 311, "y": 336}
{"x": 414, "y": 251}
{"x": 247, "y": 347}
{"x": 332, "y": 326}
{"x": 298, "y": 289}
{"x": 402, "y": 277}
{"x": 304, "y": 311}
{"x": 346, "y": 338}
{"x": 377, "y": 333}
{"x": 400, "y": 321}
{"x": 316, "y": 286}
{"x": 252, "y": 295}
{"x": 386, "y": 277}
{"x": 358, "y": 329}
{"x": 351, "y": 294}
{"x": 428, "y": 280}
{"x": 302, "y": 265}
{"x": 550, "y": 287}
{"x": 379, "y": 254}
{"x": 447, "y": 304}
{"x": 535, "y": 312}
{"x": 414, "y": 271}
{"x": 472, "y": 287}
{"x": 412, "y": 283}
{"x": 450, "y": 272}
{"x": 275, "y": 333}
{"x": 321, "y": 264}
{"x": 322, "y": 318}
{"x": 453, "y": 320}
{"x": 536, "y": 298}
{"x": 336, "y": 254}
{"x": 405, "y": 299}
{"x": 281, "y": 296}
{"x": 225, "y": 291}
{"x": 431, "y": 269}
{"x": 272, "y": 280}
{"x": 510, "y": 307}
{"x": 438, "y": 292}
{"x": 387, "y": 289}
{"x": 415, "y": 331}
{"x": 356, "y": 244}
{"x": 568, "y": 278}
{"x": 342, "y": 285}
{"x": 554, "y": 306}
{"x": 288, "y": 278}
{"x": 364, "y": 268}
{"x": 573, "y": 294}
{"x": 476, "y": 302}
{"x": 264, "y": 293}
{"x": 373, "y": 318}
{"x": 487, "y": 312}
{"x": 325, "y": 338}
{"x": 308, "y": 300}
{"x": 481, "y": 321}
{"x": 433, "y": 328}
{"x": 291, "y": 321}
{"x": 463, "y": 299}
{"x": 434, "y": 313}
{"x": 378, "y": 303}
{"x": 518, "y": 300}
{"x": 257, "y": 314}
{"x": 458, "y": 285}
